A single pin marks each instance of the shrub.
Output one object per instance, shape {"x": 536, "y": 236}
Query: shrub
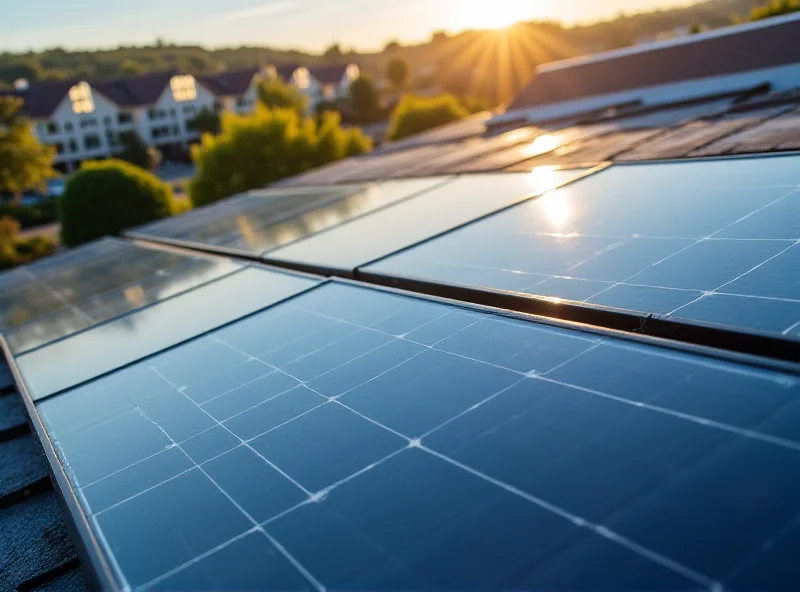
{"x": 30, "y": 216}
{"x": 205, "y": 122}
{"x": 274, "y": 93}
{"x": 135, "y": 151}
{"x": 17, "y": 251}
{"x": 364, "y": 99}
{"x": 105, "y": 197}
{"x": 417, "y": 114}
{"x": 270, "y": 144}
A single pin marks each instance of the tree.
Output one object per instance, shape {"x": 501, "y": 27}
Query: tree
{"x": 135, "y": 151}
{"x": 269, "y": 144}
{"x": 108, "y": 196}
{"x": 130, "y": 67}
{"x": 274, "y": 93}
{"x": 25, "y": 163}
{"x": 696, "y": 28}
{"x": 774, "y": 8}
{"x": 15, "y": 250}
{"x": 364, "y": 99}
{"x": 205, "y": 122}
{"x": 398, "y": 72}
{"x": 392, "y": 46}
{"x": 417, "y": 114}
{"x": 333, "y": 53}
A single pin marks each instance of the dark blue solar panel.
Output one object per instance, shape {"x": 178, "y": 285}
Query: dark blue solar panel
{"x": 66, "y": 363}
{"x": 83, "y": 287}
{"x": 350, "y": 438}
{"x": 713, "y": 241}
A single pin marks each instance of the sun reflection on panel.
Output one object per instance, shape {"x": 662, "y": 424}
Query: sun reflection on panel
{"x": 543, "y": 178}
{"x": 556, "y": 208}
{"x": 541, "y": 145}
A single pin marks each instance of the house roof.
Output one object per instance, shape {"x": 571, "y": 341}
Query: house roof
{"x": 35, "y": 550}
{"x": 765, "y": 44}
{"x": 328, "y": 74}
{"x": 230, "y": 83}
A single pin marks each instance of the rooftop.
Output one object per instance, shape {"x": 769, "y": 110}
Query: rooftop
{"x": 360, "y": 377}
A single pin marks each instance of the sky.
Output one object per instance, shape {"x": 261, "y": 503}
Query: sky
{"x": 304, "y": 24}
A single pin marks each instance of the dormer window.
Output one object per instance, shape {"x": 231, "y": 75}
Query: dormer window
{"x": 183, "y": 88}
{"x": 301, "y": 78}
{"x": 81, "y": 97}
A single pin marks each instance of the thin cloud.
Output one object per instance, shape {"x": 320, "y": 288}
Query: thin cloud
{"x": 275, "y": 8}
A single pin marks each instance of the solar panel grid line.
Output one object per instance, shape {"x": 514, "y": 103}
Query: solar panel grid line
{"x": 96, "y": 567}
{"x": 590, "y": 170}
{"x": 601, "y": 532}
{"x": 715, "y": 341}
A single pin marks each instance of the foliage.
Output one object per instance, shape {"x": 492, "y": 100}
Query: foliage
{"x": 25, "y": 163}
{"x": 398, "y": 72}
{"x": 106, "y": 197}
{"x": 274, "y": 93}
{"x": 774, "y": 8}
{"x": 135, "y": 151}
{"x": 15, "y": 250}
{"x": 334, "y": 52}
{"x": 269, "y": 144}
{"x": 205, "y": 122}
{"x": 696, "y": 28}
{"x": 416, "y": 114}
{"x": 31, "y": 216}
{"x": 364, "y": 99}
{"x": 475, "y": 104}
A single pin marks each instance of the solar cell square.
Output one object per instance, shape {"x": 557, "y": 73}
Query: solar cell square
{"x": 482, "y": 455}
{"x": 714, "y": 242}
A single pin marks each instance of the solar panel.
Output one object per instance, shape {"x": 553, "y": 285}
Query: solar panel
{"x": 83, "y": 287}
{"x": 406, "y": 223}
{"x": 351, "y": 438}
{"x": 713, "y": 241}
{"x": 103, "y": 348}
{"x": 259, "y": 221}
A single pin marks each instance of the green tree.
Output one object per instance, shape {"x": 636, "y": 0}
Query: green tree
{"x": 135, "y": 151}
{"x": 774, "y": 8}
{"x": 205, "y": 122}
{"x": 696, "y": 28}
{"x": 398, "y": 72}
{"x": 416, "y": 114}
{"x": 333, "y": 53}
{"x": 130, "y": 67}
{"x": 108, "y": 196}
{"x": 25, "y": 163}
{"x": 269, "y": 144}
{"x": 274, "y": 93}
{"x": 15, "y": 250}
{"x": 364, "y": 99}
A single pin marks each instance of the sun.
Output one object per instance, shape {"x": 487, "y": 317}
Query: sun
{"x": 489, "y": 14}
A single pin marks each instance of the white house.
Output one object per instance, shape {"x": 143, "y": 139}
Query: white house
{"x": 83, "y": 119}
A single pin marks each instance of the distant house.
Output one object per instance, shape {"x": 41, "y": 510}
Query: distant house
{"x": 83, "y": 119}
{"x": 320, "y": 83}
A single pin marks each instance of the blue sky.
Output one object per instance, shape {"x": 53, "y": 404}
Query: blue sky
{"x": 306, "y": 24}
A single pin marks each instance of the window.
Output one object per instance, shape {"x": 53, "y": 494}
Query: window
{"x": 52, "y": 128}
{"x": 73, "y": 146}
{"x": 87, "y": 123}
{"x": 162, "y": 113}
{"x": 107, "y": 120}
{"x": 160, "y": 132}
{"x": 301, "y": 78}
{"x": 81, "y": 97}
{"x": 172, "y": 113}
{"x": 124, "y": 117}
{"x": 60, "y": 148}
{"x": 68, "y": 126}
{"x": 183, "y": 88}
{"x": 111, "y": 138}
{"x": 152, "y": 114}
{"x": 189, "y": 109}
{"x": 176, "y": 129}
{"x": 91, "y": 142}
